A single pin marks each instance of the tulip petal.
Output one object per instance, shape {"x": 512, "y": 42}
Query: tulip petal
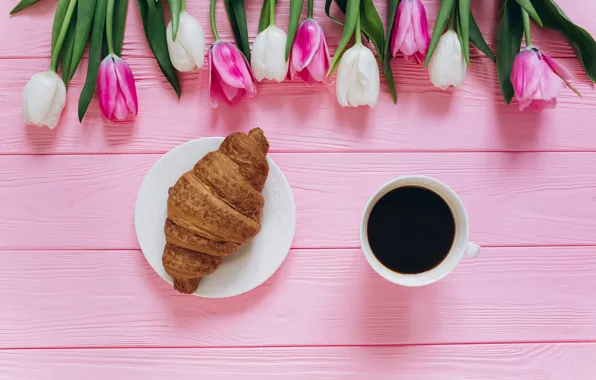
{"x": 127, "y": 87}
{"x": 402, "y": 26}
{"x": 345, "y": 76}
{"x": 107, "y": 87}
{"x": 231, "y": 65}
{"x": 215, "y": 91}
{"x": 43, "y": 99}
{"x": 306, "y": 44}
{"x": 420, "y": 26}
{"x": 258, "y": 57}
{"x": 447, "y": 66}
{"x": 319, "y": 65}
{"x": 369, "y": 70}
{"x": 187, "y": 53}
{"x": 556, "y": 67}
{"x": 268, "y": 58}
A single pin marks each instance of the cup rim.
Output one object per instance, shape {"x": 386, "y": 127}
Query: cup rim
{"x": 460, "y": 242}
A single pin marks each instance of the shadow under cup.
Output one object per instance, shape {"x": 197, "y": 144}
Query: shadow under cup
{"x": 459, "y": 246}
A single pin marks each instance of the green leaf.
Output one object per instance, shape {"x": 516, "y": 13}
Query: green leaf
{"x": 390, "y": 80}
{"x": 22, "y": 5}
{"x": 370, "y": 22}
{"x": 528, "y": 7}
{"x": 442, "y": 18}
{"x": 237, "y": 17}
{"x": 68, "y": 50}
{"x": 97, "y": 37}
{"x": 175, "y": 9}
{"x": 477, "y": 39}
{"x": 391, "y": 11}
{"x": 582, "y": 42}
{"x": 463, "y": 9}
{"x": 265, "y": 18}
{"x": 82, "y": 21}
{"x": 509, "y": 40}
{"x": 61, "y": 9}
{"x": 372, "y": 26}
{"x": 352, "y": 12}
{"x": 295, "y": 12}
{"x": 119, "y": 23}
{"x": 328, "y": 10}
{"x": 155, "y": 32}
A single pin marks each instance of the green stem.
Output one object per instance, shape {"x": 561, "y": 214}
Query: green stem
{"x": 271, "y": 12}
{"x": 182, "y": 6}
{"x": 526, "y": 20}
{"x": 451, "y": 24}
{"x": 212, "y": 18}
{"x": 62, "y": 35}
{"x": 358, "y": 37}
{"x": 109, "y": 26}
{"x": 310, "y": 8}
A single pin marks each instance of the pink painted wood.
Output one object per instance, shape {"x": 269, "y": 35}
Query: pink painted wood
{"x": 526, "y": 199}
{"x": 73, "y": 298}
{"x": 487, "y": 362}
{"x": 77, "y": 300}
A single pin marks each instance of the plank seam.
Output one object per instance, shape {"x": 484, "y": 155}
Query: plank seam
{"x": 280, "y": 346}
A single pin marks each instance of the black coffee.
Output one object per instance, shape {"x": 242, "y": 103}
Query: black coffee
{"x": 411, "y": 230}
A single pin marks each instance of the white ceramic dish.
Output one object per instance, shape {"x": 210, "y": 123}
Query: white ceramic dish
{"x": 255, "y": 262}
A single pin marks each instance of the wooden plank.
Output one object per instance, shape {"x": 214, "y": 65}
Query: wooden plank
{"x": 113, "y": 298}
{"x": 487, "y": 362}
{"x": 512, "y": 198}
{"x": 299, "y": 118}
{"x": 31, "y": 27}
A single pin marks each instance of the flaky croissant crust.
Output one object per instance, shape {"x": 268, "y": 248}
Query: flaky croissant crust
{"x": 214, "y": 208}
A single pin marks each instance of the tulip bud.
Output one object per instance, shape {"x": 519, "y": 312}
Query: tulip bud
{"x": 187, "y": 53}
{"x": 116, "y": 90}
{"x": 43, "y": 99}
{"x": 268, "y": 59}
{"x": 230, "y": 78}
{"x": 410, "y": 33}
{"x": 447, "y": 66}
{"x": 357, "y": 78}
{"x": 537, "y": 79}
{"x": 309, "y": 57}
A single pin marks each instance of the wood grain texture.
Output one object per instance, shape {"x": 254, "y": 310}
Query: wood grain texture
{"x": 318, "y": 297}
{"x": 301, "y": 118}
{"x": 492, "y": 362}
{"x": 525, "y": 199}
{"x": 31, "y": 28}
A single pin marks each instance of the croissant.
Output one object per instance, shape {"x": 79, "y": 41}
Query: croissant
{"x": 215, "y": 208}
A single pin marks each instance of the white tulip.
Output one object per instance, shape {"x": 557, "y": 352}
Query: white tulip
{"x": 43, "y": 99}
{"x": 358, "y": 78}
{"x": 447, "y": 66}
{"x": 187, "y": 53}
{"x": 268, "y": 59}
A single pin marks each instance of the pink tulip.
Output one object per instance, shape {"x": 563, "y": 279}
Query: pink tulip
{"x": 410, "y": 32}
{"x": 309, "y": 57}
{"x": 537, "y": 79}
{"x": 230, "y": 77}
{"x": 116, "y": 88}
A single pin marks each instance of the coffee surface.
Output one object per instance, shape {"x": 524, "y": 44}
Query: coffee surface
{"x": 411, "y": 230}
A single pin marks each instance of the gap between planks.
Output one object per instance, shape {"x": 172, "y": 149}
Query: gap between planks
{"x": 290, "y": 346}
{"x": 69, "y": 249}
{"x": 316, "y": 151}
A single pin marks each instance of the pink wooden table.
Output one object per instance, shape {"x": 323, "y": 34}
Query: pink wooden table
{"x": 79, "y": 301}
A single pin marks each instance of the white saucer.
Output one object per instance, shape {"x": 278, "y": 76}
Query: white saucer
{"x": 255, "y": 262}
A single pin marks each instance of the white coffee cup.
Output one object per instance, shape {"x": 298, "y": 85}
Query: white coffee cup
{"x": 461, "y": 245}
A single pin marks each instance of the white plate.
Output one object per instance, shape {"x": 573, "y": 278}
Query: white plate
{"x": 255, "y": 262}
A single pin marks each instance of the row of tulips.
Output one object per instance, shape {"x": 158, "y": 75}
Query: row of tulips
{"x": 533, "y": 77}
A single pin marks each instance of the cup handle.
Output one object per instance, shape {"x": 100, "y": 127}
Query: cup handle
{"x": 473, "y": 250}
